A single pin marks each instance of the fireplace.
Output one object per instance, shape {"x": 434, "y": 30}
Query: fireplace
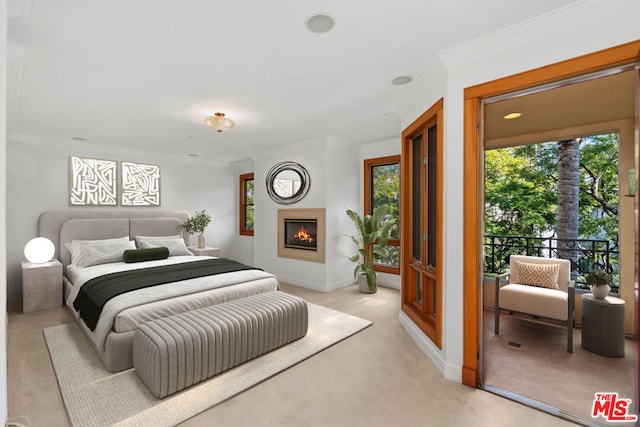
{"x": 301, "y": 234}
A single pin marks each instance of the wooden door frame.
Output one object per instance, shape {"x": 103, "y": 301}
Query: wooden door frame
{"x": 473, "y": 199}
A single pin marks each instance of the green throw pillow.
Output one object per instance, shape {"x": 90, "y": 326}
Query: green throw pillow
{"x": 149, "y": 254}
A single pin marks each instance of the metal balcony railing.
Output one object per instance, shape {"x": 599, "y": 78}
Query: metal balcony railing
{"x": 585, "y": 255}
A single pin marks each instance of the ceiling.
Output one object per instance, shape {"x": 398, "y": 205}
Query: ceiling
{"x": 143, "y": 74}
{"x": 561, "y": 111}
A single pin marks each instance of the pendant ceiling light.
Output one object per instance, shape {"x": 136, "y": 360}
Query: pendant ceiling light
{"x": 219, "y": 122}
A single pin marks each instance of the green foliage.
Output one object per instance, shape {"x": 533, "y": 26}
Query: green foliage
{"x": 386, "y": 191}
{"x": 521, "y": 189}
{"x": 599, "y": 190}
{"x": 249, "y": 188}
{"x": 520, "y": 199}
{"x": 249, "y": 202}
{"x": 598, "y": 278}
{"x": 249, "y": 218}
{"x": 197, "y": 223}
{"x": 373, "y": 233}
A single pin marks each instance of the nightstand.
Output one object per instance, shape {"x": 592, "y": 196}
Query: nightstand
{"x": 41, "y": 285}
{"x": 204, "y": 251}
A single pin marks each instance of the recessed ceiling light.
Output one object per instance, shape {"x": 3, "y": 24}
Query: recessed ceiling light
{"x": 320, "y": 23}
{"x": 402, "y": 80}
{"x": 513, "y": 115}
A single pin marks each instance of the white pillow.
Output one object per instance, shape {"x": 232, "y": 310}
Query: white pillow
{"x": 175, "y": 244}
{"x": 140, "y": 240}
{"x": 85, "y": 253}
{"x": 137, "y": 238}
{"x": 72, "y": 245}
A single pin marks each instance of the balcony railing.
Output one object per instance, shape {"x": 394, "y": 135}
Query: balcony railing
{"x": 585, "y": 255}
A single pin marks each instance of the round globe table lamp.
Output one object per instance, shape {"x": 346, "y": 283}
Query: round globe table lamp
{"x": 39, "y": 250}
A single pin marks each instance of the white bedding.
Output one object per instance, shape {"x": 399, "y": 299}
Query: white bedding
{"x": 125, "y": 312}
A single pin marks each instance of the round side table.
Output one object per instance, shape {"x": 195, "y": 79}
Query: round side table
{"x": 603, "y": 325}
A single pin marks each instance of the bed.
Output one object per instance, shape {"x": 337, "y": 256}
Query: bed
{"x": 112, "y": 334}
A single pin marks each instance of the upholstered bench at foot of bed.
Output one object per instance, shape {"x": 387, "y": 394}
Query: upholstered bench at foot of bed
{"x": 175, "y": 352}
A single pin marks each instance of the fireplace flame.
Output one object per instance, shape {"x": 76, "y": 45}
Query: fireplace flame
{"x": 303, "y": 236}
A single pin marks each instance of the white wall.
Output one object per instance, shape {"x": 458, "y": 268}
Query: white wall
{"x": 577, "y": 30}
{"x": 311, "y": 155}
{"x": 3, "y": 204}
{"x": 343, "y": 177}
{"x": 38, "y": 173}
{"x": 333, "y": 173}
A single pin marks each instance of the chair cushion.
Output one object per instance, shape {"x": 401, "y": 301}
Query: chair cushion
{"x": 542, "y": 275}
{"x": 544, "y": 302}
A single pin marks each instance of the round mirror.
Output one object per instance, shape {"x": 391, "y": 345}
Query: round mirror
{"x": 287, "y": 182}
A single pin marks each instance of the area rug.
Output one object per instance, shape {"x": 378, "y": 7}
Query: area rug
{"x": 95, "y": 397}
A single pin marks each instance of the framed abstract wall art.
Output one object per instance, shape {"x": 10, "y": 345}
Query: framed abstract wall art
{"x": 92, "y": 182}
{"x": 140, "y": 184}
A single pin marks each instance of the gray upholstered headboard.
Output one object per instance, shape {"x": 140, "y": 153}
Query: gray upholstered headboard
{"x": 63, "y": 226}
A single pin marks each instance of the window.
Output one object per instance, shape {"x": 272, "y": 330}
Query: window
{"x": 246, "y": 204}
{"x": 382, "y": 187}
{"x": 421, "y": 182}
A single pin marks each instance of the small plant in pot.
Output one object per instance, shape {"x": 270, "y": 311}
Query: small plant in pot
{"x": 373, "y": 233}
{"x": 196, "y": 224}
{"x": 599, "y": 282}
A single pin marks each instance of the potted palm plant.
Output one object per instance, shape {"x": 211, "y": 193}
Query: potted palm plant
{"x": 196, "y": 224}
{"x": 599, "y": 281}
{"x": 373, "y": 233}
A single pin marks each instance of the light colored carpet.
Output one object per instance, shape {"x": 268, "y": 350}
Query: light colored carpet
{"x": 95, "y": 397}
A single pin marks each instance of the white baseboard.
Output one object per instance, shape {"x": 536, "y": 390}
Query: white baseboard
{"x": 453, "y": 372}
{"x": 449, "y": 371}
{"x": 320, "y": 287}
{"x": 301, "y": 282}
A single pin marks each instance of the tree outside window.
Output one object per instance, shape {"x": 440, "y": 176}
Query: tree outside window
{"x": 563, "y": 191}
{"x": 382, "y": 187}
{"x": 246, "y": 204}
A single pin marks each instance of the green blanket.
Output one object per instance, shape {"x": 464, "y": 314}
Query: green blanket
{"x": 95, "y": 293}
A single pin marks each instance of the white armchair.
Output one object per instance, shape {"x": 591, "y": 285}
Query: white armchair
{"x": 538, "y": 287}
